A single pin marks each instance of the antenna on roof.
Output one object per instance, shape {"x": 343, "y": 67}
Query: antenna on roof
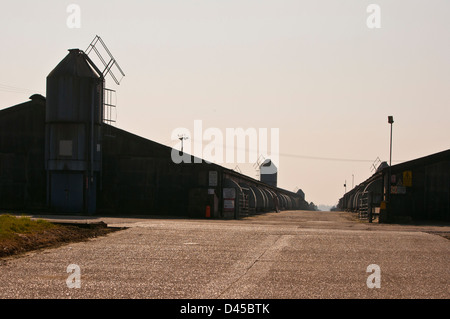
{"x": 374, "y": 167}
{"x": 108, "y": 65}
{"x": 182, "y": 138}
{"x": 258, "y": 163}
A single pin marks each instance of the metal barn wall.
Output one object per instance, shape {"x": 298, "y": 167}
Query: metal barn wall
{"x": 22, "y": 139}
{"x": 139, "y": 176}
{"x": 437, "y": 190}
{"x": 420, "y": 190}
{"x": 426, "y": 193}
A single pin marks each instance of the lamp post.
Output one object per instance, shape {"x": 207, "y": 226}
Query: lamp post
{"x": 182, "y": 138}
{"x": 390, "y": 121}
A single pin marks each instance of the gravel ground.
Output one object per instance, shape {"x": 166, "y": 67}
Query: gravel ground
{"x": 291, "y": 255}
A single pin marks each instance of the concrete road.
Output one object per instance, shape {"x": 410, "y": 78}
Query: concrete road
{"x": 290, "y": 255}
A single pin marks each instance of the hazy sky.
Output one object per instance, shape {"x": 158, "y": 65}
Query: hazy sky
{"x": 311, "y": 68}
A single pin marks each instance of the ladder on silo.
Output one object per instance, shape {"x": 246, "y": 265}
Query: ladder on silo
{"x": 108, "y": 65}
{"x": 109, "y": 112}
{"x": 109, "y": 96}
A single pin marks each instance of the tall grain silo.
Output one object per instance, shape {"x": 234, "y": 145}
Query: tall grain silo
{"x": 74, "y": 113}
{"x": 269, "y": 173}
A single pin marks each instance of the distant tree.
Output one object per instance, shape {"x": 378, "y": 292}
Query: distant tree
{"x": 313, "y": 206}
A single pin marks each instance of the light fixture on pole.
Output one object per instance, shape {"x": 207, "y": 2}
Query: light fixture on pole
{"x": 182, "y": 138}
{"x": 390, "y": 121}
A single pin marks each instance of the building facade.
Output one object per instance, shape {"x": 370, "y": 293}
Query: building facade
{"x": 57, "y": 155}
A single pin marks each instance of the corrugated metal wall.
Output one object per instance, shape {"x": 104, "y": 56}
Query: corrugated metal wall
{"x": 22, "y": 174}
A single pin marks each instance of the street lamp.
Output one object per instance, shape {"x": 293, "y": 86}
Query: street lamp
{"x": 390, "y": 121}
{"x": 182, "y": 138}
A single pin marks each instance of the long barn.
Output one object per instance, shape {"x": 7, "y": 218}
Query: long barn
{"x": 416, "y": 190}
{"x": 57, "y": 154}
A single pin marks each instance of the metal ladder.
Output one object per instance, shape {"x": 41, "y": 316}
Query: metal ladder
{"x": 363, "y": 211}
{"x": 243, "y": 205}
{"x": 109, "y": 112}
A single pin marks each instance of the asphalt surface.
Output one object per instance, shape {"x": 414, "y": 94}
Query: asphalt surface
{"x": 290, "y": 255}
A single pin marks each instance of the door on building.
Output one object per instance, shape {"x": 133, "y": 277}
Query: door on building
{"x": 66, "y": 193}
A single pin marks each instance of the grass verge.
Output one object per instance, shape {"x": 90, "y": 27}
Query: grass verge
{"x": 22, "y": 234}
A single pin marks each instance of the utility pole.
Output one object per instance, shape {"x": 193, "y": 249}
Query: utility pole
{"x": 182, "y": 138}
{"x": 390, "y": 121}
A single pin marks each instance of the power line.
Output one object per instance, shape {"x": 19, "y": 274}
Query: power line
{"x": 335, "y": 159}
{"x": 308, "y": 157}
{"x": 15, "y": 89}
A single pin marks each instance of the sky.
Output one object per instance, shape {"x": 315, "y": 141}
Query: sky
{"x": 313, "y": 69}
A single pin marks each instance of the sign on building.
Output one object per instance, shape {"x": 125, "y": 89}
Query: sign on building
{"x": 213, "y": 178}
{"x": 229, "y": 193}
{"x": 229, "y": 196}
{"x": 398, "y": 190}
{"x": 407, "y": 178}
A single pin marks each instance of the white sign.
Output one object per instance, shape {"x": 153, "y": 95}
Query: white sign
{"x": 398, "y": 190}
{"x": 229, "y": 193}
{"x": 213, "y": 178}
{"x": 228, "y": 204}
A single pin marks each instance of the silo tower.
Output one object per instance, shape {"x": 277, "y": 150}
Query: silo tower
{"x": 74, "y": 117}
{"x": 73, "y": 133}
{"x": 269, "y": 173}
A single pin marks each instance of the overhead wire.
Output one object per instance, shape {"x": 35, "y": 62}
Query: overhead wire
{"x": 15, "y": 89}
{"x": 307, "y": 157}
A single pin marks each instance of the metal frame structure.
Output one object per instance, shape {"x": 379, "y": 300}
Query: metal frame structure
{"x": 108, "y": 65}
{"x": 109, "y": 106}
